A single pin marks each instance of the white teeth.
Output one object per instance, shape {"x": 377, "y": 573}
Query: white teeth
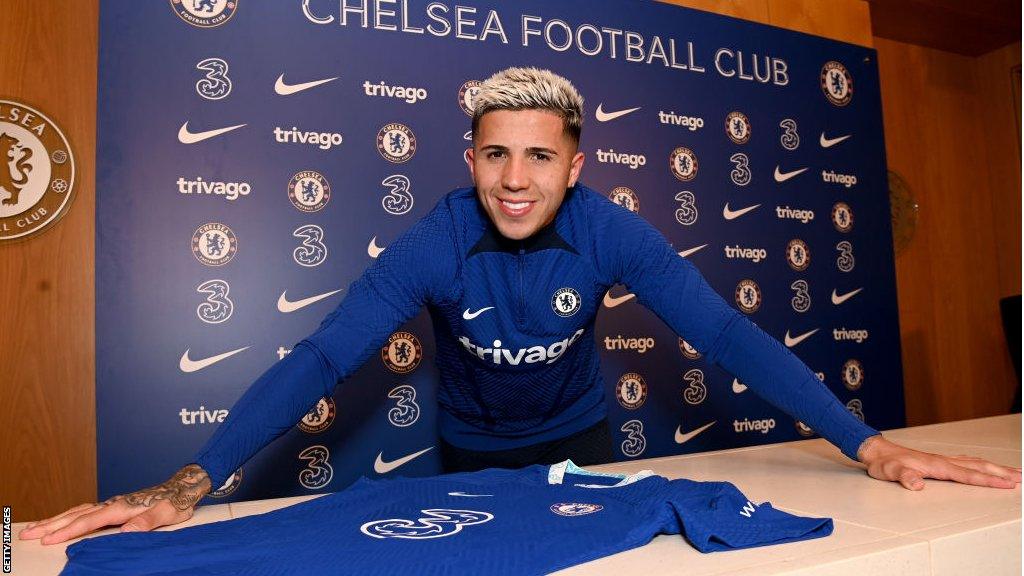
{"x": 515, "y": 206}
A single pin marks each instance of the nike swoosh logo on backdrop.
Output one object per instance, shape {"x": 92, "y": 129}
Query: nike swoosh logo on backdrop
{"x": 284, "y": 89}
{"x": 737, "y": 387}
{"x": 283, "y": 305}
{"x": 791, "y": 341}
{"x": 829, "y": 142}
{"x": 187, "y": 365}
{"x": 382, "y": 467}
{"x": 733, "y": 214}
{"x": 837, "y": 299}
{"x": 686, "y": 253}
{"x": 468, "y": 135}
{"x": 468, "y": 495}
{"x": 372, "y": 249}
{"x": 603, "y": 116}
{"x": 683, "y": 438}
{"x": 783, "y": 176}
{"x": 186, "y": 137}
{"x": 467, "y": 315}
{"x": 613, "y": 301}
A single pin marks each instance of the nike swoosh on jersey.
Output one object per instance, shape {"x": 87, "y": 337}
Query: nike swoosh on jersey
{"x": 382, "y": 467}
{"x": 791, "y": 341}
{"x": 284, "y": 89}
{"x": 733, "y": 214}
{"x": 613, "y": 301}
{"x": 686, "y": 253}
{"x": 468, "y": 495}
{"x": 683, "y": 438}
{"x": 783, "y": 176}
{"x": 188, "y": 365}
{"x": 372, "y": 249}
{"x": 603, "y": 116}
{"x": 187, "y": 137}
{"x": 837, "y": 299}
{"x": 284, "y": 305}
{"x": 829, "y": 142}
{"x": 738, "y": 387}
{"x": 467, "y": 315}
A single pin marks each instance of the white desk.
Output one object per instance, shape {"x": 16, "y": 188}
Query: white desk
{"x": 880, "y": 528}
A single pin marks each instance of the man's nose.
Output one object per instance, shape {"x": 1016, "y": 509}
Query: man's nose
{"x": 514, "y": 177}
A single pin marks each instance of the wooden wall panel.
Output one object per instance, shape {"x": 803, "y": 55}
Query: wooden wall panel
{"x": 47, "y": 400}
{"x": 753, "y": 10}
{"x": 846, "y": 20}
{"x": 999, "y": 117}
{"x": 956, "y": 364}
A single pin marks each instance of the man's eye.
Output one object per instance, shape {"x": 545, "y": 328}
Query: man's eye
{"x": 539, "y": 156}
{"x": 495, "y": 154}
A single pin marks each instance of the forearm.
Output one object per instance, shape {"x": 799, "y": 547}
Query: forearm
{"x": 272, "y": 405}
{"x": 777, "y": 375}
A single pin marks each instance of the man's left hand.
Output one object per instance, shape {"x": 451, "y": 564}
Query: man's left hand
{"x": 889, "y": 461}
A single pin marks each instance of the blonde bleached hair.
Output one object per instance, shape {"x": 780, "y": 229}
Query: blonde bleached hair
{"x": 530, "y": 89}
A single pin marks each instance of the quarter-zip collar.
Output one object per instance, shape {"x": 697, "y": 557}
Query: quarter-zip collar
{"x": 545, "y": 238}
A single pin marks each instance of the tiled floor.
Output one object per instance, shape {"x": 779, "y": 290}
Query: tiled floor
{"x": 880, "y": 528}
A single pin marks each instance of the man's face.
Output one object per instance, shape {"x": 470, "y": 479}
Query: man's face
{"x": 522, "y": 162}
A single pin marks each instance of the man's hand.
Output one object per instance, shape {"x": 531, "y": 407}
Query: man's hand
{"x": 168, "y": 503}
{"x": 889, "y": 461}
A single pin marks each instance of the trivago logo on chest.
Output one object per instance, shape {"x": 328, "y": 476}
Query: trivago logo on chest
{"x": 529, "y": 355}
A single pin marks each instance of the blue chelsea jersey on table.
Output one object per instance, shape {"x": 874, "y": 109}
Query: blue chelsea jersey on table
{"x": 514, "y": 323}
{"x": 533, "y": 520}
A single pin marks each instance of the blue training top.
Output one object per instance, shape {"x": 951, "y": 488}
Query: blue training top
{"x": 533, "y": 520}
{"x": 514, "y": 324}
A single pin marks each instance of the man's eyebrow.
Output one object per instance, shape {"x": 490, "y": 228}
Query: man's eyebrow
{"x": 536, "y": 149}
{"x": 530, "y": 150}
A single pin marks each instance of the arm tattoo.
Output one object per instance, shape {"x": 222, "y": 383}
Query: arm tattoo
{"x": 183, "y": 490}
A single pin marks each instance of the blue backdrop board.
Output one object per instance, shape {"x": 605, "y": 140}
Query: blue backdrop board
{"x": 254, "y": 157}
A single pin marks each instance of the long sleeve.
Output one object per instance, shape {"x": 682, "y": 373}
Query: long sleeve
{"x": 631, "y": 251}
{"x": 417, "y": 268}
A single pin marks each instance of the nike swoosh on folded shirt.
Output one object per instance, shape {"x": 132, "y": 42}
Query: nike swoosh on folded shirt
{"x": 284, "y": 305}
{"x": 382, "y": 467}
{"x": 285, "y": 89}
{"x": 372, "y": 249}
{"x": 467, "y": 315}
{"x": 733, "y": 214}
{"x": 791, "y": 341}
{"x": 683, "y": 438}
{"x": 603, "y": 116}
{"x": 829, "y": 142}
{"x": 187, "y": 137}
{"x": 686, "y": 253}
{"x": 187, "y": 365}
{"x": 837, "y": 299}
{"x": 737, "y": 387}
{"x": 613, "y": 301}
{"x": 468, "y": 495}
{"x": 783, "y": 176}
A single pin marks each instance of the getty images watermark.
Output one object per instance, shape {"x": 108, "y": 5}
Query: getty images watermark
{"x": 7, "y": 539}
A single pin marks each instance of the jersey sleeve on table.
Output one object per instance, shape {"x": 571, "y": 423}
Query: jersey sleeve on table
{"x": 716, "y": 516}
{"x": 418, "y": 267}
{"x": 629, "y": 250}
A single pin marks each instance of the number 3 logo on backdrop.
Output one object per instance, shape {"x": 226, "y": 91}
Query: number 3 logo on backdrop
{"x": 216, "y": 84}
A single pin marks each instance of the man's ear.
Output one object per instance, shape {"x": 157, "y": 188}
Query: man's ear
{"x": 468, "y": 157}
{"x": 575, "y": 168}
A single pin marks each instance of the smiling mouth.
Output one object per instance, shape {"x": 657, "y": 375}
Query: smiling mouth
{"x": 516, "y": 209}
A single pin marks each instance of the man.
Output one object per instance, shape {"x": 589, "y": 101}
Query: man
{"x": 512, "y": 272}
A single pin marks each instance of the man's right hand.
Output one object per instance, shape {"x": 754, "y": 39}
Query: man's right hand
{"x": 169, "y": 503}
